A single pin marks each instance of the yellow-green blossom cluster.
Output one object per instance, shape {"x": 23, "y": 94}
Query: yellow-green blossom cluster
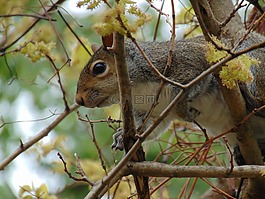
{"x": 90, "y": 4}
{"x": 238, "y": 69}
{"x": 122, "y": 17}
{"x": 37, "y": 50}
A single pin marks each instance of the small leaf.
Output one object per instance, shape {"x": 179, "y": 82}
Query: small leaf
{"x": 23, "y": 189}
{"x": 42, "y": 191}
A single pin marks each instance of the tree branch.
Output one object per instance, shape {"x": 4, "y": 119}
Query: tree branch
{"x": 82, "y": 179}
{"x": 156, "y": 169}
{"x": 24, "y": 146}
{"x": 235, "y": 101}
{"x": 57, "y": 72}
{"x": 73, "y": 32}
{"x": 4, "y": 48}
{"x": 27, "y": 15}
{"x": 129, "y": 129}
{"x": 56, "y": 32}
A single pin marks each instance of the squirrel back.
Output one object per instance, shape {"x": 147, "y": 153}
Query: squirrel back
{"x": 188, "y": 60}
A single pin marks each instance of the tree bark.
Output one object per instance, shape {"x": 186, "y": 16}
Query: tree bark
{"x": 212, "y": 16}
{"x": 156, "y": 169}
{"x": 129, "y": 129}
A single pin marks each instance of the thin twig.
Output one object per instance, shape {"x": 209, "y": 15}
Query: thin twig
{"x": 56, "y": 32}
{"x": 250, "y": 28}
{"x": 216, "y": 189}
{"x": 80, "y": 25}
{"x": 80, "y": 170}
{"x": 97, "y": 146}
{"x": 109, "y": 121}
{"x": 231, "y": 154}
{"x": 19, "y": 48}
{"x": 167, "y": 66}
{"x": 160, "y": 75}
{"x": 157, "y": 9}
{"x": 4, "y": 48}
{"x": 24, "y": 121}
{"x": 83, "y": 179}
{"x": 73, "y": 32}
{"x": 27, "y": 15}
{"x": 233, "y": 129}
{"x": 232, "y": 14}
{"x": 158, "y": 19}
{"x": 59, "y": 81}
{"x": 37, "y": 137}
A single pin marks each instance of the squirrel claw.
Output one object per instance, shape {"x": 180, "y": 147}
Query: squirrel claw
{"x": 117, "y": 140}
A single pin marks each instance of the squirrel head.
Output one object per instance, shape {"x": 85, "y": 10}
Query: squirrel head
{"x": 97, "y": 85}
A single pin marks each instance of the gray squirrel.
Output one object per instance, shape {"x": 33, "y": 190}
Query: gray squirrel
{"x": 203, "y": 103}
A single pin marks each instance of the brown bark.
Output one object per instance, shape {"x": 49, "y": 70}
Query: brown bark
{"x": 156, "y": 169}
{"x": 212, "y": 15}
{"x": 129, "y": 129}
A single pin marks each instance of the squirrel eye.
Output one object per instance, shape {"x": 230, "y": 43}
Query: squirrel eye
{"x": 99, "y": 69}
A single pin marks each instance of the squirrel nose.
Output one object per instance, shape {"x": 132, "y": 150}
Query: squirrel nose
{"x": 79, "y": 100}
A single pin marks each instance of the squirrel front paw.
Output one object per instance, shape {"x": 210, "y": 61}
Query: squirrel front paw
{"x": 117, "y": 140}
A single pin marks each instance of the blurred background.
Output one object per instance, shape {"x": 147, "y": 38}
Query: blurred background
{"x": 31, "y": 98}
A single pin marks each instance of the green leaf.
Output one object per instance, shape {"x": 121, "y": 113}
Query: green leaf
{"x": 24, "y": 189}
{"x": 42, "y": 191}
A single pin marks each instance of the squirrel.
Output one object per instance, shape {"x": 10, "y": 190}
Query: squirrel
{"x": 203, "y": 102}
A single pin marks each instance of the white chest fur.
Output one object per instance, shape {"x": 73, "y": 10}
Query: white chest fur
{"x": 144, "y": 95}
{"x": 214, "y": 113}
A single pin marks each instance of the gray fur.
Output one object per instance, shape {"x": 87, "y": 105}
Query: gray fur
{"x": 203, "y": 102}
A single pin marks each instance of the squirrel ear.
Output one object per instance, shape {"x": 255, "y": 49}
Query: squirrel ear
{"x": 107, "y": 40}
{"x": 95, "y": 47}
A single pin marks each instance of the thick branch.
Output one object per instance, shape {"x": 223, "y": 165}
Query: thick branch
{"x": 129, "y": 129}
{"x": 235, "y": 101}
{"x": 156, "y": 169}
{"x": 212, "y": 14}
